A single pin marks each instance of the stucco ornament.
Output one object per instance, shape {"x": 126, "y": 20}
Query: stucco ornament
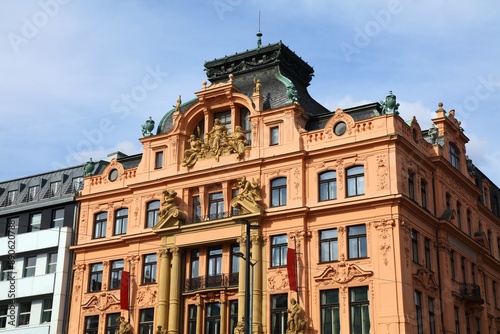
{"x": 169, "y": 210}
{"x": 216, "y": 143}
{"x": 248, "y": 199}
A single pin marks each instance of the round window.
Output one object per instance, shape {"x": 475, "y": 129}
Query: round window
{"x": 339, "y": 128}
{"x": 113, "y": 175}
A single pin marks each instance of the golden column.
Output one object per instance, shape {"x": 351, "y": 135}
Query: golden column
{"x": 257, "y": 282}
{"x": 175, "y": 292}
{"x": 199, "y": 316}
{"x": 163, "y": 287}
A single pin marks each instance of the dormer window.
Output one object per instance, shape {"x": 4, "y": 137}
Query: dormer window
{"x": 32, "y": 192}
{"x": 454, "y": 156}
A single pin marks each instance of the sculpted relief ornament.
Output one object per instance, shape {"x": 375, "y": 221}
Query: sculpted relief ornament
{"x": 341, "y": 273}
{"x": 170, "y": 213}
{"x": 248, "y": 198}
{"x": 216, "y": 143}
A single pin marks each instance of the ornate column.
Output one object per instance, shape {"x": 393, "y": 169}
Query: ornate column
{"x": 173, "y": 315}
{"x": 163, "y": 287}
{"x": 223, "y": 314}
{"x": 199, "y": 319}
{"x": 257, "y": 283}
{"x": 241, "y": 281}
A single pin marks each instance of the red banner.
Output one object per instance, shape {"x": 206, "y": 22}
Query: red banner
{"x": 124, "y": 290}
{"x": 291, "y": 268}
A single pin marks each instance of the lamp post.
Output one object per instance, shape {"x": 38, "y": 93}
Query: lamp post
{"x": 248, "y": 266}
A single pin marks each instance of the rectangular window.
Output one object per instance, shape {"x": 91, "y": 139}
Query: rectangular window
{"x": 423, "y": 193}
{"x": 414, "y": 246}
{"x": 115, "y": 276}
{"x": 149, "y": 269}
{"x": 448, "y": 201}
{"x": 235, "y": 260}
{"x": 329, "y": 250}
{"x": 454, "y": 156}
{"x": 452, "y": 265}
{"x": 51, "y": 263}
{"x": 462, "y": 265}
{"x": 112, "y": 324}
{"x": 478, "y": 325}
{"x": 233, "y": 315}
{"x": 95, "y": 279}
{"x": 33, "y": 192}
{"x": 55, "y": 187}
{"x": 330, "y": 311}
{"x": 100, "y": 225}
{"x": 8, "y": 269}
{"x": 23, "y": 318}
{"x": 495, "y": 297}
{"x": 411, "y": 185}
{"x": 457, "y": 320}
{"x": 212, "y": 318}
{"x": 121, "y": 221}
{"x": 216, "y": 205}
{"x": 467, "y": 323}
{"x": 469, "y": 223}
{"x": 278, "y": 192}
{"x": 274, "y": 134}
{"x": 77, "y": 184}
{"x": 214, "y": 267}
{"x": 279, "y": 313}
{"x": 192, "y": 319}
{"x": 360, "y": 310}
{"x": 432, "y": 316}
{"x": 234, "y": 193}
{"x": 279, "y": 248}
{"x": 357, "y": 247}
{"x": 3, "y": 316}
{"x": 91, "y": 324}
{"x": 418, "y": 311}
{"x": 246, "y": 125}
{"x": 11, "y": 196}
{"x": 57, "y": 218}
{"x": 427, "y": 250}
{"x": 152, "y": 213}
{"x": 355, "y": 181}
{"x": 29, "y": 266}
{"x": 327, "y": 185}
{"x": 35, "y": 222}
{"x": 146, "y": 319}
{"x": 159, "y": 160}
{"x": 196, "y": 209}
{"x": 47, "y": 310}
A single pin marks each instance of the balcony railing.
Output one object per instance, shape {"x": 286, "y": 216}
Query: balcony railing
{"x": 471, "y": 293}
{"x": 215, "y": 216}
{"x": 209, "y": 282}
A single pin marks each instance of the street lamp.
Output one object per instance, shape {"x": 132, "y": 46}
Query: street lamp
{"x": 249, "y": 264}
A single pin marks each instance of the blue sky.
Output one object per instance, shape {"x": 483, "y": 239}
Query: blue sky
{"x": 79, "y": 78}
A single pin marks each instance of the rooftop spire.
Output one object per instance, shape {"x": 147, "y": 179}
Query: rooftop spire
{"x": 259, "y": 35}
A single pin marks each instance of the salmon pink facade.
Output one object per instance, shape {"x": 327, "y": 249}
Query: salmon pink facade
{"x": 393, "y": 229}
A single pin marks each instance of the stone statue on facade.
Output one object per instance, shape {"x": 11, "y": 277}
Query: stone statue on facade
{"x": 296, "y": 323}
{"x": 148, "y": 127}
{"x": 240, "y": 327}
{"x": 248, "y": 198}
{"x": 124, "y": 326}
{"x": 159, "y": 330}
{"x": 194, "y": 151}
{"x": 169, "y": 208}
{"x": 433, "y": 134}
{"x": 258, "y": 86}
{"x": 178, "y": 104}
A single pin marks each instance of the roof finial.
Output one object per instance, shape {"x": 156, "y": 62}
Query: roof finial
{"x": 259, "y": 35}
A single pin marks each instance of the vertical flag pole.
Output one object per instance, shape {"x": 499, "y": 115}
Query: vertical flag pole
{"x": 296, "y": 267}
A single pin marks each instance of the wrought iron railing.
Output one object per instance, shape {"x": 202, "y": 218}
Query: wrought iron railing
{"x": 208, "y": 282}
{"x": 471, "y": 292}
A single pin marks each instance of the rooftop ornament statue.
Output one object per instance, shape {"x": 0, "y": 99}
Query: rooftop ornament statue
{"x": 178, "y": 104}
{"x": 88, "y": 168}
{"x": 148, "y": 127}
{"x": 433, "y": 134}
{"x": 390, "y": 106}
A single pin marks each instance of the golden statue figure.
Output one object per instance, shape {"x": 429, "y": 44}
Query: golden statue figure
{"x": 240, "y": 327}
{"x": 124, "y": 326}
{"x": 296, "y": 324}
{"x": 257, "y": 87}
{"x": 169, "y": 209}
{"x": 178, "y": 104}
{"x": 192, "y": 154}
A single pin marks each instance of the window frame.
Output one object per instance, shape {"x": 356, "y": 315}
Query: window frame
{"x": 330, "y": 183}
{"x": 152, "y": 210}
{"x": 361, "y": 240}
{"x": 216, "y": 205}
{"x": 51, "y": 264}
{"x": 357, "y": 179}
{"x": 57, "y": 221}
{"x": 330, "y": 304}
{"x": 24, "y": 316}
{"x": 279, "y": 249}
{"x": 159, "y": 159}
{"x": 146, "y": 325}
{"x": 428, "y": 253}
{"x": 46, "y": 309}
{"x": 121, "y": 221}
{"x": 29, "y": 269}
{"x": 454, "y": 156}
{"x": 417, "y": 298}
{"x": 112, "y": 324}
{"x": 3, "y": 315}
{"x": 100, "y": 224}
{"x": 415, "y": 256}
{"x": 116, "y": 268}
{"x": 55, "y": 187}
{"x": 279, "y": 312}
{"x": 147, "y": 263}
{"x": 192, "y": 319}
{"x": 196, "y": 209}
{"x": 274, "y": 135}
{"x": 278, "y": 192}
{"x": 332, "y": 243}
{"x": 411, "y": 185}
{"x": 360, "y": 307}
{"x": 212, "y": 320}
{"x": 35, "y": 222}
{"x": 95, "y": 271}
{"x": 89, "y": 321}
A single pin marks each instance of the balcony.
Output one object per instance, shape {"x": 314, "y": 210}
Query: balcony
{"x": 471, "y": 293}
{"x": 210, "y": 282}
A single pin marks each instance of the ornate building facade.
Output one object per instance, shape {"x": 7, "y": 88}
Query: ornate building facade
{"x": 393, "y": 229}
